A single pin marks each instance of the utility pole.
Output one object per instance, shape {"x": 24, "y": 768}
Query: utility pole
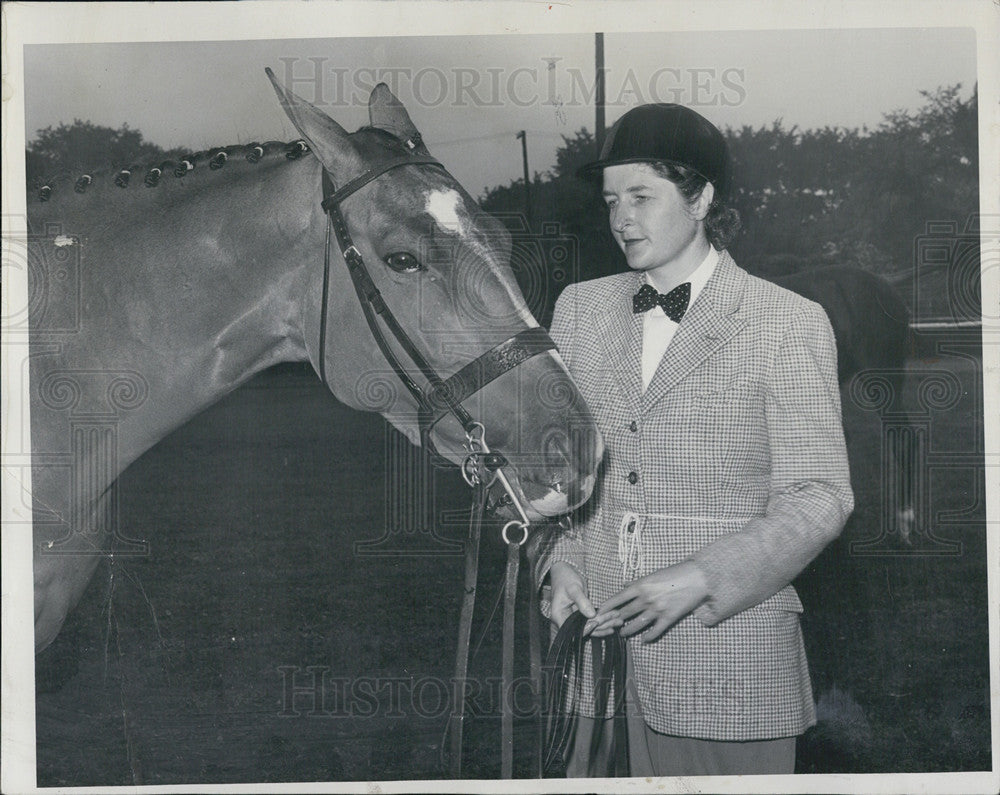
{"x": 527, "y": 184}
{"x": 599, "y": 91}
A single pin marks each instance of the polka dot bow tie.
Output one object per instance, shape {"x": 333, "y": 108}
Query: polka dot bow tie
{"x": 674, "y": 303}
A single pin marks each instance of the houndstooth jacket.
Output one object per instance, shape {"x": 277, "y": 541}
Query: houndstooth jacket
{"x": 733, "y": 458}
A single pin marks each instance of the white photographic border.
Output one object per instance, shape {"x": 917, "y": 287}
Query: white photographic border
{"x": 31, "y": 23}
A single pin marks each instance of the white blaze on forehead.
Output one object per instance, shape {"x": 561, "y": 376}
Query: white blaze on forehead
{"x": 448, "y": 210}
{"x": 446, "y": 207}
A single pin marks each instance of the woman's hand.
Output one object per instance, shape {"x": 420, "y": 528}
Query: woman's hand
{"x": 658, "y": 601}
{"x": 569, "y": 593}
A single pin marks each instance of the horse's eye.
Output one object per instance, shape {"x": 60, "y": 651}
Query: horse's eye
{"x": 402, "y": 262}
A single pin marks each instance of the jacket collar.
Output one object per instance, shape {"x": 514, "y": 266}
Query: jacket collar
{"x": 710, "y": 322}
{"x": 620, "y": 333}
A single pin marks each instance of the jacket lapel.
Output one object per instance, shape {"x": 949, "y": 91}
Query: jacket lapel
{"x": 620, "y": 332}
{"x": 708, "y": 325}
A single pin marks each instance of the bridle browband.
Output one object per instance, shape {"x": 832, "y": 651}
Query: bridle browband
{"x": 442, "y": 396}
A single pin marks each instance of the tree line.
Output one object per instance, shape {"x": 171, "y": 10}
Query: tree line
{"x": 806, "y": 197}
{"x": 82, "y": 146}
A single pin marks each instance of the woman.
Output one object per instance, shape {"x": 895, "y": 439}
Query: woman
{"x": 725, "y": 472}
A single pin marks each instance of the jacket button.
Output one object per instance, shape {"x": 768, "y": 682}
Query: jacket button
{"x": 632, "y": 426}
{"x": 633, "y": 477}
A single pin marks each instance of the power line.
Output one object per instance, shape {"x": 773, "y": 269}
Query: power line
{"x": 493, "y": 136}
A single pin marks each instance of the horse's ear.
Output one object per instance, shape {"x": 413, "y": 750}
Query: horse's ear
{"x": 387, "y": 113}
{"x": 325, "y": 137}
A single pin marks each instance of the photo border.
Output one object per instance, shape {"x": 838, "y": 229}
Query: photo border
{"x": 27, "y": 23}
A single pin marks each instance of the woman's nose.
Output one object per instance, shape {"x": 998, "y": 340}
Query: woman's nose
{"x": 621, "y": 219}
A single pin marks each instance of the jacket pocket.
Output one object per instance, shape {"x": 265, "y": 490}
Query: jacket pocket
{"x": 728, "y": 391}
{"x": 732, "y": 431}
{"x": 724, "y": 387}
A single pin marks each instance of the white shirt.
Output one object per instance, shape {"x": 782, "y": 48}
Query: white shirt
{"x": 658, "y": 329}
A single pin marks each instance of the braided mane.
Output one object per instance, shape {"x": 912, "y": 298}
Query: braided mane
{"x": 152, "y": 174}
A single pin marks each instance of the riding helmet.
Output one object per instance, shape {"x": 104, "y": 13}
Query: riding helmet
{"x": 666, "y": 133}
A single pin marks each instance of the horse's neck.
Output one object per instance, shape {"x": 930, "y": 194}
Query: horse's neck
{"x": 257, "y": 267}
{"x": 196, "y": 290}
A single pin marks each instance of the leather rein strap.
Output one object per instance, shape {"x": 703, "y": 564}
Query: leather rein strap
{"x": 563, "y": 676}
{"x": 457, "y": 719}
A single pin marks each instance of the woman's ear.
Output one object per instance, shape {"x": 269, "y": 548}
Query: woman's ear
{"x": 703, "y": 202}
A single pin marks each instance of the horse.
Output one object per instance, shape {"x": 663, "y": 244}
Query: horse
{"x": 871, "y": 324}
{"x": 191, "y": 276}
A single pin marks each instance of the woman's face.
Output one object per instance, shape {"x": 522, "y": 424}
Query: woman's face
{"x": 651, "y": 221}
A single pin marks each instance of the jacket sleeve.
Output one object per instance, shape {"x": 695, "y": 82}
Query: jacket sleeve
{"x": 810, "y": 493}
{"x": 555, "y": 543}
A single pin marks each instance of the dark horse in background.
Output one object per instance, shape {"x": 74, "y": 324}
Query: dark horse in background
{"x": 871, "y": 323}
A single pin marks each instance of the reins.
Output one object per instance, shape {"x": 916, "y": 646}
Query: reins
{"x": 481, "y": 467}
{"x": 563, "y": 676}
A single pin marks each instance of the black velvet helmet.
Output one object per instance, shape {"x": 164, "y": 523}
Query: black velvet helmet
{"x": 666, "y": 133}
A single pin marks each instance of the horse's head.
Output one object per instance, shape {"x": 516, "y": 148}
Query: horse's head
{"x": 441, "y": 266}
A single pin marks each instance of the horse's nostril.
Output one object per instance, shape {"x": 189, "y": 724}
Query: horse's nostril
{"x": 576, "y": 453}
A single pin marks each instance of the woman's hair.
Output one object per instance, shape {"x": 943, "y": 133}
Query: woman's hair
{"x": 722, "y": 222}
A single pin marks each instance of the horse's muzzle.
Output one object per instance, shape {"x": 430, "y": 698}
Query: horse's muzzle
{"x": 562, "y": 481}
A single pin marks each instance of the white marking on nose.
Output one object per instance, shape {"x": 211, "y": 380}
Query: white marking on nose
{"x": 445, "y": 207}
{"x": 63, "y": 240}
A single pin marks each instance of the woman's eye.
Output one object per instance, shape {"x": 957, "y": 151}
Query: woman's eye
{"x": 402, "y": 262}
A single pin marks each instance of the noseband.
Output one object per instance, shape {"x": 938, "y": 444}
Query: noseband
{"x": 442, "y": 396}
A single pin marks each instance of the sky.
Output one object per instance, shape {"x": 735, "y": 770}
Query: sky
{"x": 470, "y": 95}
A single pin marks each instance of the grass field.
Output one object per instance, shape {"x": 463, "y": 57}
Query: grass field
{"x": 256, "y": 642}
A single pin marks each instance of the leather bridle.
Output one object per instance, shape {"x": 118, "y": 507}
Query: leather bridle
{"x": 481, "y": 467}
{"x": 442, "y": 396}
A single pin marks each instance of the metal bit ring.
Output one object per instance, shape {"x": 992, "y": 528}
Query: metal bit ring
{"x": 514, "y": 523}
